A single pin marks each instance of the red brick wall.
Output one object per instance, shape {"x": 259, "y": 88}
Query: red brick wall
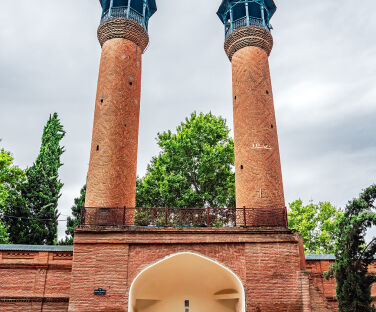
{"x": 327, "y": 288}
{"x": 99, "y": 266}
{"x": 35, "y": 281}
{"x": 33, "y": 306}
{"x": 316, "y": 268}
{"x": 268, "y": 263}
{"x": 274, "y": 277}
{"x": 258, "y": 265}
{"x": 142, "y": 256}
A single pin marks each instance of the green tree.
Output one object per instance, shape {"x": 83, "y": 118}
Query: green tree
{"x": 193, "y": 169}
{"x": 354, "y": 255}
{"x": 10, "y": 176}
{"x": 316, "y": 223}
{"x": 43, "y": 187}
{"x": 4, "y": 235}
{"x": 17, "y": 217}
{"x": 75, "y": 220}
{"x": 15, "y": 223}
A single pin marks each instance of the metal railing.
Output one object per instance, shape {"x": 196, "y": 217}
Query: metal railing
{"x": 122, "y": 12}
{"x": 242, "y": 22}
{"x": 184, "y": 217}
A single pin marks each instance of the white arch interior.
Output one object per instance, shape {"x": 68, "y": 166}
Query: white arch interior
{"x": 186, "y": 282}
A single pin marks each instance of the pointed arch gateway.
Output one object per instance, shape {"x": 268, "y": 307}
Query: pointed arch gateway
{"x": 186, "y": 282}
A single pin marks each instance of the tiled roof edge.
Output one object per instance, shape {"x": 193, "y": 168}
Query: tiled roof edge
{"x": 11, "y": 247}
{"x": 320, "y": 257}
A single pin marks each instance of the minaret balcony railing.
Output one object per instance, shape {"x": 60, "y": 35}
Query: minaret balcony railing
{"x": 184, "y": 217}
{"x": 122, "y": 12}
{"x": 242, "y": 22}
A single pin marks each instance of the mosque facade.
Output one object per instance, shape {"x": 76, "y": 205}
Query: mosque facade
{"x": 181, "y": 260}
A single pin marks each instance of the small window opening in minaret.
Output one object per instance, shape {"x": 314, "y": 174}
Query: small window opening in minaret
{"x": 241, "y": 167}
{"x": 267, "y": 91}
{"x": 186, "y": 305}
{"x": 235, "y": 97}
{"x": 271, "y": 126}
{"x": 101, "y": 100}
{"x": 130, "y": 83}
{"x": 97, "y": 147}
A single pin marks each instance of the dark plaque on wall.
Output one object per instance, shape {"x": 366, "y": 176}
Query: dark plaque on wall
{"x": 100, "y": 292}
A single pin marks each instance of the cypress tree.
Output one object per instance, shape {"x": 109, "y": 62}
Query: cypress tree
{"x": 75, "y": 220}
{"x": 42, "y": 190}
{"x": 354, "y": 255}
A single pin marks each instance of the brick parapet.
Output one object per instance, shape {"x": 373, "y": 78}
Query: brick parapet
{"x": 250, "y": 36}
{"x": 123, "y": 28}
{"x": 184, "y": 235}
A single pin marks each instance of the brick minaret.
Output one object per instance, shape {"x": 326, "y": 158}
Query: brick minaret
{"x": 248, "y": 44}
{"x": 123, "y": 35}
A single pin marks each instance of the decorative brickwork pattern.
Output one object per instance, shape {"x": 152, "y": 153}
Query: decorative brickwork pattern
{"x": 123, "y": 28}
{"x": 62, "y": 256}
{"x": 250, "y": 36}
{"x": 111, "y": 179}
{"x": 257, "y": 160}
{"x": 19, "y": 255}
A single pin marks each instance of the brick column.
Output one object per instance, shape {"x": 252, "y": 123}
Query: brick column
{"x": 257, "y": 160}
{"x": 111, "y": 180}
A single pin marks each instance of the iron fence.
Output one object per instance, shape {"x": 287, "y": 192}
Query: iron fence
{"x": 242, "y": 22}
{"x": 122, "y": 12}
{"x": 183, "y": 217}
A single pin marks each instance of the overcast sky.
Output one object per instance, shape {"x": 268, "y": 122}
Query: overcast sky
{"x": 323, "y": 68}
